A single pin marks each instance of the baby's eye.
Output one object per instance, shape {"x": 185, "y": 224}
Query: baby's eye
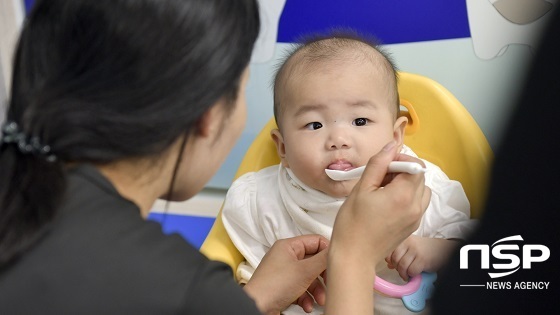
{"x": 360, "y": 122}
{"x": 314, "y": 125}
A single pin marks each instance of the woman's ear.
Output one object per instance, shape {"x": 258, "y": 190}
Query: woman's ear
{"x": 398, "y": 129}
{"x": 210, "y": 122}
{"x": 280, "y": 147}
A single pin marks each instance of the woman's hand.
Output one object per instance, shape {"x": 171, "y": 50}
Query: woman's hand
{"x": 287, "y": 272}
{"x": 378, "y": 215}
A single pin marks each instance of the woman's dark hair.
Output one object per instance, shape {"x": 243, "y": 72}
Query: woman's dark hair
{"x": 103, "y": 80}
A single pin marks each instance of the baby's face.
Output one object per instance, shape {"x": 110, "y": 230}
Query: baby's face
{"x": 336, "y": 117}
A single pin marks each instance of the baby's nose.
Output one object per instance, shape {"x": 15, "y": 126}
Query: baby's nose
{"x": 338, "y": 139}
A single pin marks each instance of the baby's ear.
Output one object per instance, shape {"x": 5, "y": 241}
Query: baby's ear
{"x": 280, "y": 147}
{"x": 398, "y": 129}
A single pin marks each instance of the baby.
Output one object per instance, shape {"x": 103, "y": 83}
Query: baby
{"x": 336, "y": 104}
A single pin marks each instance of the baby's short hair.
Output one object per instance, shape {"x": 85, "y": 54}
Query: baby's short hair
{"x": 332, "y": 46}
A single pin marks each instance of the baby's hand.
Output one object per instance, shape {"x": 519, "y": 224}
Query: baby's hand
{"x": 417, "y": 254}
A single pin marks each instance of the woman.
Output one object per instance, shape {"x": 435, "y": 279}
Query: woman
{"x": 115, "y": 104}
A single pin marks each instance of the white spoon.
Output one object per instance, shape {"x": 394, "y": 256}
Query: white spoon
{"x": 394, "y": 167}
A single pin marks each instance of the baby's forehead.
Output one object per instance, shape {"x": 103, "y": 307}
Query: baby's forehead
{"x": 361, "y": 67}
{"x": 310, "y": 60}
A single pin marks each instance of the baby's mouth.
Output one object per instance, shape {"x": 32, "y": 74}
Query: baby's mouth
{"x": 341, "y": 165}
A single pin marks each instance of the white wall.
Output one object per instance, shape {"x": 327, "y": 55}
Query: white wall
{"x": 3, "y": 97}
{"x": 11, "y": 17}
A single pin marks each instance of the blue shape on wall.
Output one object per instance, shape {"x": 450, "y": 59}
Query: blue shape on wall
{"x": 391, "y": 22}
{"x": 194, "y": 229}
{"x": 28, "y": 4}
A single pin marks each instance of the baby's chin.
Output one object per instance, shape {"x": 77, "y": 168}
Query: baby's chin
{"x": 340, "y": 189}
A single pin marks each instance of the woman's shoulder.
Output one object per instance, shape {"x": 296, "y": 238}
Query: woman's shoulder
{"x": 101, "y": 255}
{"x": 116, "y": 266}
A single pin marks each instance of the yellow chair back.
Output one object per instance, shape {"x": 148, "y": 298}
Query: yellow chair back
{"x": 439, "y": 130}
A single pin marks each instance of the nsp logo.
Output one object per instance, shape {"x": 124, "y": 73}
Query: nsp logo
{"x": 530, "y": 253}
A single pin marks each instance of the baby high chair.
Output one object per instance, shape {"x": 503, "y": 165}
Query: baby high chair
{"x": 439, "y": 130}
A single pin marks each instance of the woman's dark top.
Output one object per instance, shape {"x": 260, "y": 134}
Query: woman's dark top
{"x": 101, "y": 257}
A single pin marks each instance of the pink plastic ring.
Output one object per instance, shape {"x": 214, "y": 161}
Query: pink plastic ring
{"x": 397, "y": 291}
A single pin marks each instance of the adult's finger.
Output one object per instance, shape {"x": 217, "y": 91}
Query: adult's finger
{"x": 287, "y": 271}
{"x": 305, "y": 301}
{"x": 376, "y": 168}
{"x": 408, "y": 158}
{"x": 317, "y": 290}
{"x": 307, "y": 245}
{"x": 315, "y": 264}
{"x": 410, "y": 185}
